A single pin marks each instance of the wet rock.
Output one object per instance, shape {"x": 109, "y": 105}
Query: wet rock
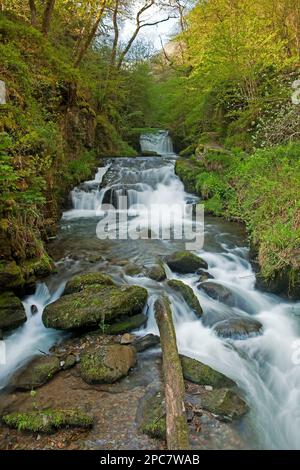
{"x": 47, "y": 421}
{"x": 157, "y": 273}
{"x": 218, "y": 292}
{"x": 78, "y": 283}
{"x": 238, "y": 328}
{"x": 132, "y": 269}
{"x": 10, "y": 275}
{"x": 107, "y": 363}
{"x": 185, "y": 262}
{"x": 146, "y": 342}
{"x": 205, "y": 276}
{"x": 12, "y": 313}
{"x": 34, "y": 309}
{"x": 202, "y": 374}
{"x": 1, "y": 335}
{"x": 127, "y": 338}
{"x": 95, "y": 305}
{"x": 70, "y": 362}
{"x": 127, "y": 324}
{"x": 151, "y": 414}
{"x": 224, "y": 403}
{"x": 37, "y": 373}
{"x": 188, "y": 295}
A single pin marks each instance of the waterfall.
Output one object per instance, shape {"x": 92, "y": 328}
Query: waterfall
{"x": 157, "y": 143}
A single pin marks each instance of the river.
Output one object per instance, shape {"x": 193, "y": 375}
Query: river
{"x": 265, "y": 367}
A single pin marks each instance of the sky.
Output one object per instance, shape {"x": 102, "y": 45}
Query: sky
{"x": 152, "y": 33}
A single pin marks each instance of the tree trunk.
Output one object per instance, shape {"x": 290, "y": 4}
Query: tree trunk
{"x": 32, "y": 12}
{"x": 176, "y": 423}
{"x": 47, "y": 16}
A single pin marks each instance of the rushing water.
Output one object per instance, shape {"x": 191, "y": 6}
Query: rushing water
{"x": 157, "y": 143}
{"x": 265, "y": 367}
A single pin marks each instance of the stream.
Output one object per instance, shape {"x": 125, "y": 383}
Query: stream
{"x": 265, "y": 367}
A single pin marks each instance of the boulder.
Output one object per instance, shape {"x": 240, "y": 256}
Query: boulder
{"x": 47, "y": 421}
{"x": 36, "y": 373}
{"x": 157, "y": 273}
{"x": 224, "y": 403}
{"x": 127, "y": 324}
{"x": 10, "y": 275}
{"x": 238, "y": 328}
{"x": 107, "y": 363}
{"x": 69, "y": 362}
{"x": 93, "y": 306}
{"x": 218, "y": 292}
{"x": 146, "y": 342}
{"x": 188, "y": 295}
{"x": 185, "y": 262}
{"x": 81, "y": 281}
{"x": 12, "y": 313}
{"x": 204, "y": 276}
{"x": 132, "y": 269}
{"x": 201, "y": 374}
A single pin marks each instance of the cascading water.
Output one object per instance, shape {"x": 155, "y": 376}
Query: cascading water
{"x": 263, "y": 366}
{"x": 158, "y": 143}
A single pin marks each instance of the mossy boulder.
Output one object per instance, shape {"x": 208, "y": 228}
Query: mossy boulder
{"x": 12, "y": 313}
{"x": 35, "y": 374}
{"x": 185, "y": 262}
{"x": 47, "y": 421}
{"x": 156, "y": 272}
{"x": 69, "y": 362}
{"x": 127, "y": 324}
{"x": 188, "y": 295}
{"x": 38, "y": 267}
{"x": 132, "y": 269}
{"x": 151, "y": 414}
{"x": 107, "y": 363}
{"x": 201, "y": 374}
{"x": 10, "y": 275}
{"x": 81, "y": 281}
{"x": 238, "y": 328}
{"x": 225, "y": 403}
{"x": 95, "y": 305}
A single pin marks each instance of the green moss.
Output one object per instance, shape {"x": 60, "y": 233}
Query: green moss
{"x": 37, "y": 373}
{"x": 47, "y": 421}
{"x": 188, "y": 295}
{"x": 202, "y": 374}
{"x": 79, "y": 282}
{"x": 12, "y": 313}
{"x": 153, "y": 415}
{"x": 126, "y": 325}
{"x": 94, "y": 304}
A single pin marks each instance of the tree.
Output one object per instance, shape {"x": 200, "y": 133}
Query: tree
{"x": 47, "y": 16}
{"x": 33, "y": 14}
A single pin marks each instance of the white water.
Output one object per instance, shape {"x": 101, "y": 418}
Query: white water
{"x": 32, "y": 338}
{"x": 159, "y": 143}
{"x": 265, "y": 367}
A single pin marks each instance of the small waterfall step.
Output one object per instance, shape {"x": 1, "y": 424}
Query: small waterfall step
{"x": 156, "y": 143}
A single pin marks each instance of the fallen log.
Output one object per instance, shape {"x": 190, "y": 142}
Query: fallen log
{"x": 176, "y": 423}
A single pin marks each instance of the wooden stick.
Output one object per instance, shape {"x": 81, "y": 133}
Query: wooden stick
{"x": 176, "y": 423}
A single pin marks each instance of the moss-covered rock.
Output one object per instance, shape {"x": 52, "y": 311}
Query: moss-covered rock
{"x": 107, "y": 363}
{"x": 156, "y": 272}
{"x": 12, "y": 313}
{"x": 188, "y": 295}
{"x": 127, "y": 324}
{"x": 202, "y": 374}
{"x": 132, "y": 269}
{"x": 238, "y": 328}
{"x": 94, "y": 306}
{"x": 152, "y": 413}
{"x": 37, "y": 267}
{"x": 47, "y": 421}
{"x": 224, "y": 403}
{"x": 37, "y": 373}
{"x": 69, "y": 362}
{"x": 79, "y": 282}
{"x": 185, "y": 262}
{"x": 10, "y": 275}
